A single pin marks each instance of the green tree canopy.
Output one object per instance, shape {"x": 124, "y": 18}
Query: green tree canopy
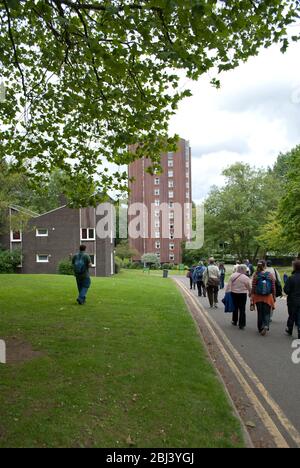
{"x": 236, "y": 212}
{"x": 85, "y": 79}
{"x": 289, "y": 209}
{"x": 280, "y": 232}
{"x": 11, "y": 192}
{"x": 150, "y": 259}
{"x": 124, "y": 250}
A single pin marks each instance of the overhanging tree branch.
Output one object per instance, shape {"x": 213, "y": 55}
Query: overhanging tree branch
{"x": 15, "y": 50}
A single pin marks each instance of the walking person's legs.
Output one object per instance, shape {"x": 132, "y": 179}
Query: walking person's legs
{"x": 242, "y": 301}
{"x": 199, "y": 288}
{"x": 210, "y": 295}
{"x": 266, "y": 318}
{"x": 259, "y": 316}
{"x": 79, "y": 282}
{"x": 291, "y": 320}
{"x": 85, "y": 285}
{"x": 216, "y": 293}
{"x": 297, "y": 319}
{"x": 191, "y": 283}
{"x": 203, "y": 288}
{"x": 235, "y": 314}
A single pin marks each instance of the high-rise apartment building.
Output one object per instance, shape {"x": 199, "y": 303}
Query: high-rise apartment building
{"x": 160, "y": 205}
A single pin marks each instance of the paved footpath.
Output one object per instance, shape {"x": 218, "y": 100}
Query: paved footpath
{"x": 269, "y": 359}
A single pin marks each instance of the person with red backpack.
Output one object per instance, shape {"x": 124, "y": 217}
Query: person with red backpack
{"x": 263, "y": 296}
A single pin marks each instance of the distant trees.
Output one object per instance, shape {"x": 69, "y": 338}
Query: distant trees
{"x": 256, "y": 212}
{"x": 124, "y": 251}
{"x": 289, "y": 208}
{"x": 236, "y": 212}
{"x": 150, "y": 259}
{"x": 17, "y": 189}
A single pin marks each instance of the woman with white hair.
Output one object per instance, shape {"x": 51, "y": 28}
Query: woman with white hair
{"x": 240, "y": 287}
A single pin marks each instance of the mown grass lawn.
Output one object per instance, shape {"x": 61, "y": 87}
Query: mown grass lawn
{"x": 127, "y": 369}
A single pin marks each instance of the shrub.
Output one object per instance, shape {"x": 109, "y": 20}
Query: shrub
{"x": 9, "y": 261}
{"x": 166, "y": 266}
{"x": 118, "y": 265}
{"x": 155, "y": 267}
{"x": 65, "y": 267}
{"x": 136, "y": 266}
{"x": 126, "y": 263}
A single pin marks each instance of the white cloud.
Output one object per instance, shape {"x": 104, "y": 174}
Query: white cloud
{"x": 252, "y": 118}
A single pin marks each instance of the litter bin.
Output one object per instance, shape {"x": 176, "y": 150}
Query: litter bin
{"x": 165, "y": 273}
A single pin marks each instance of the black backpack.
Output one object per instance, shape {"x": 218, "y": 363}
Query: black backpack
{"x": 279, "y": 290}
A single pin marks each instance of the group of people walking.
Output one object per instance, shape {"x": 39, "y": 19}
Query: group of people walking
{"x": 208, "y": 277}
{"x": 262, "y": 286}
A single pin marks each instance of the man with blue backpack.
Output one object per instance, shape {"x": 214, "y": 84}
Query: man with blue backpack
{"x": 198, "y": 279}
{"x": 263, "y": 296}
{"x": 81, "y": 264}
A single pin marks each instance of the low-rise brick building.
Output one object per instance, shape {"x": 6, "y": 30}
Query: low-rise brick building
{"x": 54, "y": 236}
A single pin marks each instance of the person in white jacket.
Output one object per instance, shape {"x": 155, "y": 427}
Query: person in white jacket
{"x": 240, "y": 287}
{"x": 211, "y": 280}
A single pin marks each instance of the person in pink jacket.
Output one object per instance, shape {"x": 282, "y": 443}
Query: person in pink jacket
{"x": 240, "y": 287}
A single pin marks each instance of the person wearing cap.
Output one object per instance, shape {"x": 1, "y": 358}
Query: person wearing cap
{"x": 211, "y": 280}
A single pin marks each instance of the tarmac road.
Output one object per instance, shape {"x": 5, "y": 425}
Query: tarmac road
{"x": 270, "y": 357}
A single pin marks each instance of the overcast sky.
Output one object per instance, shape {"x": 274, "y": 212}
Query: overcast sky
{"x": 252, "y": 118}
